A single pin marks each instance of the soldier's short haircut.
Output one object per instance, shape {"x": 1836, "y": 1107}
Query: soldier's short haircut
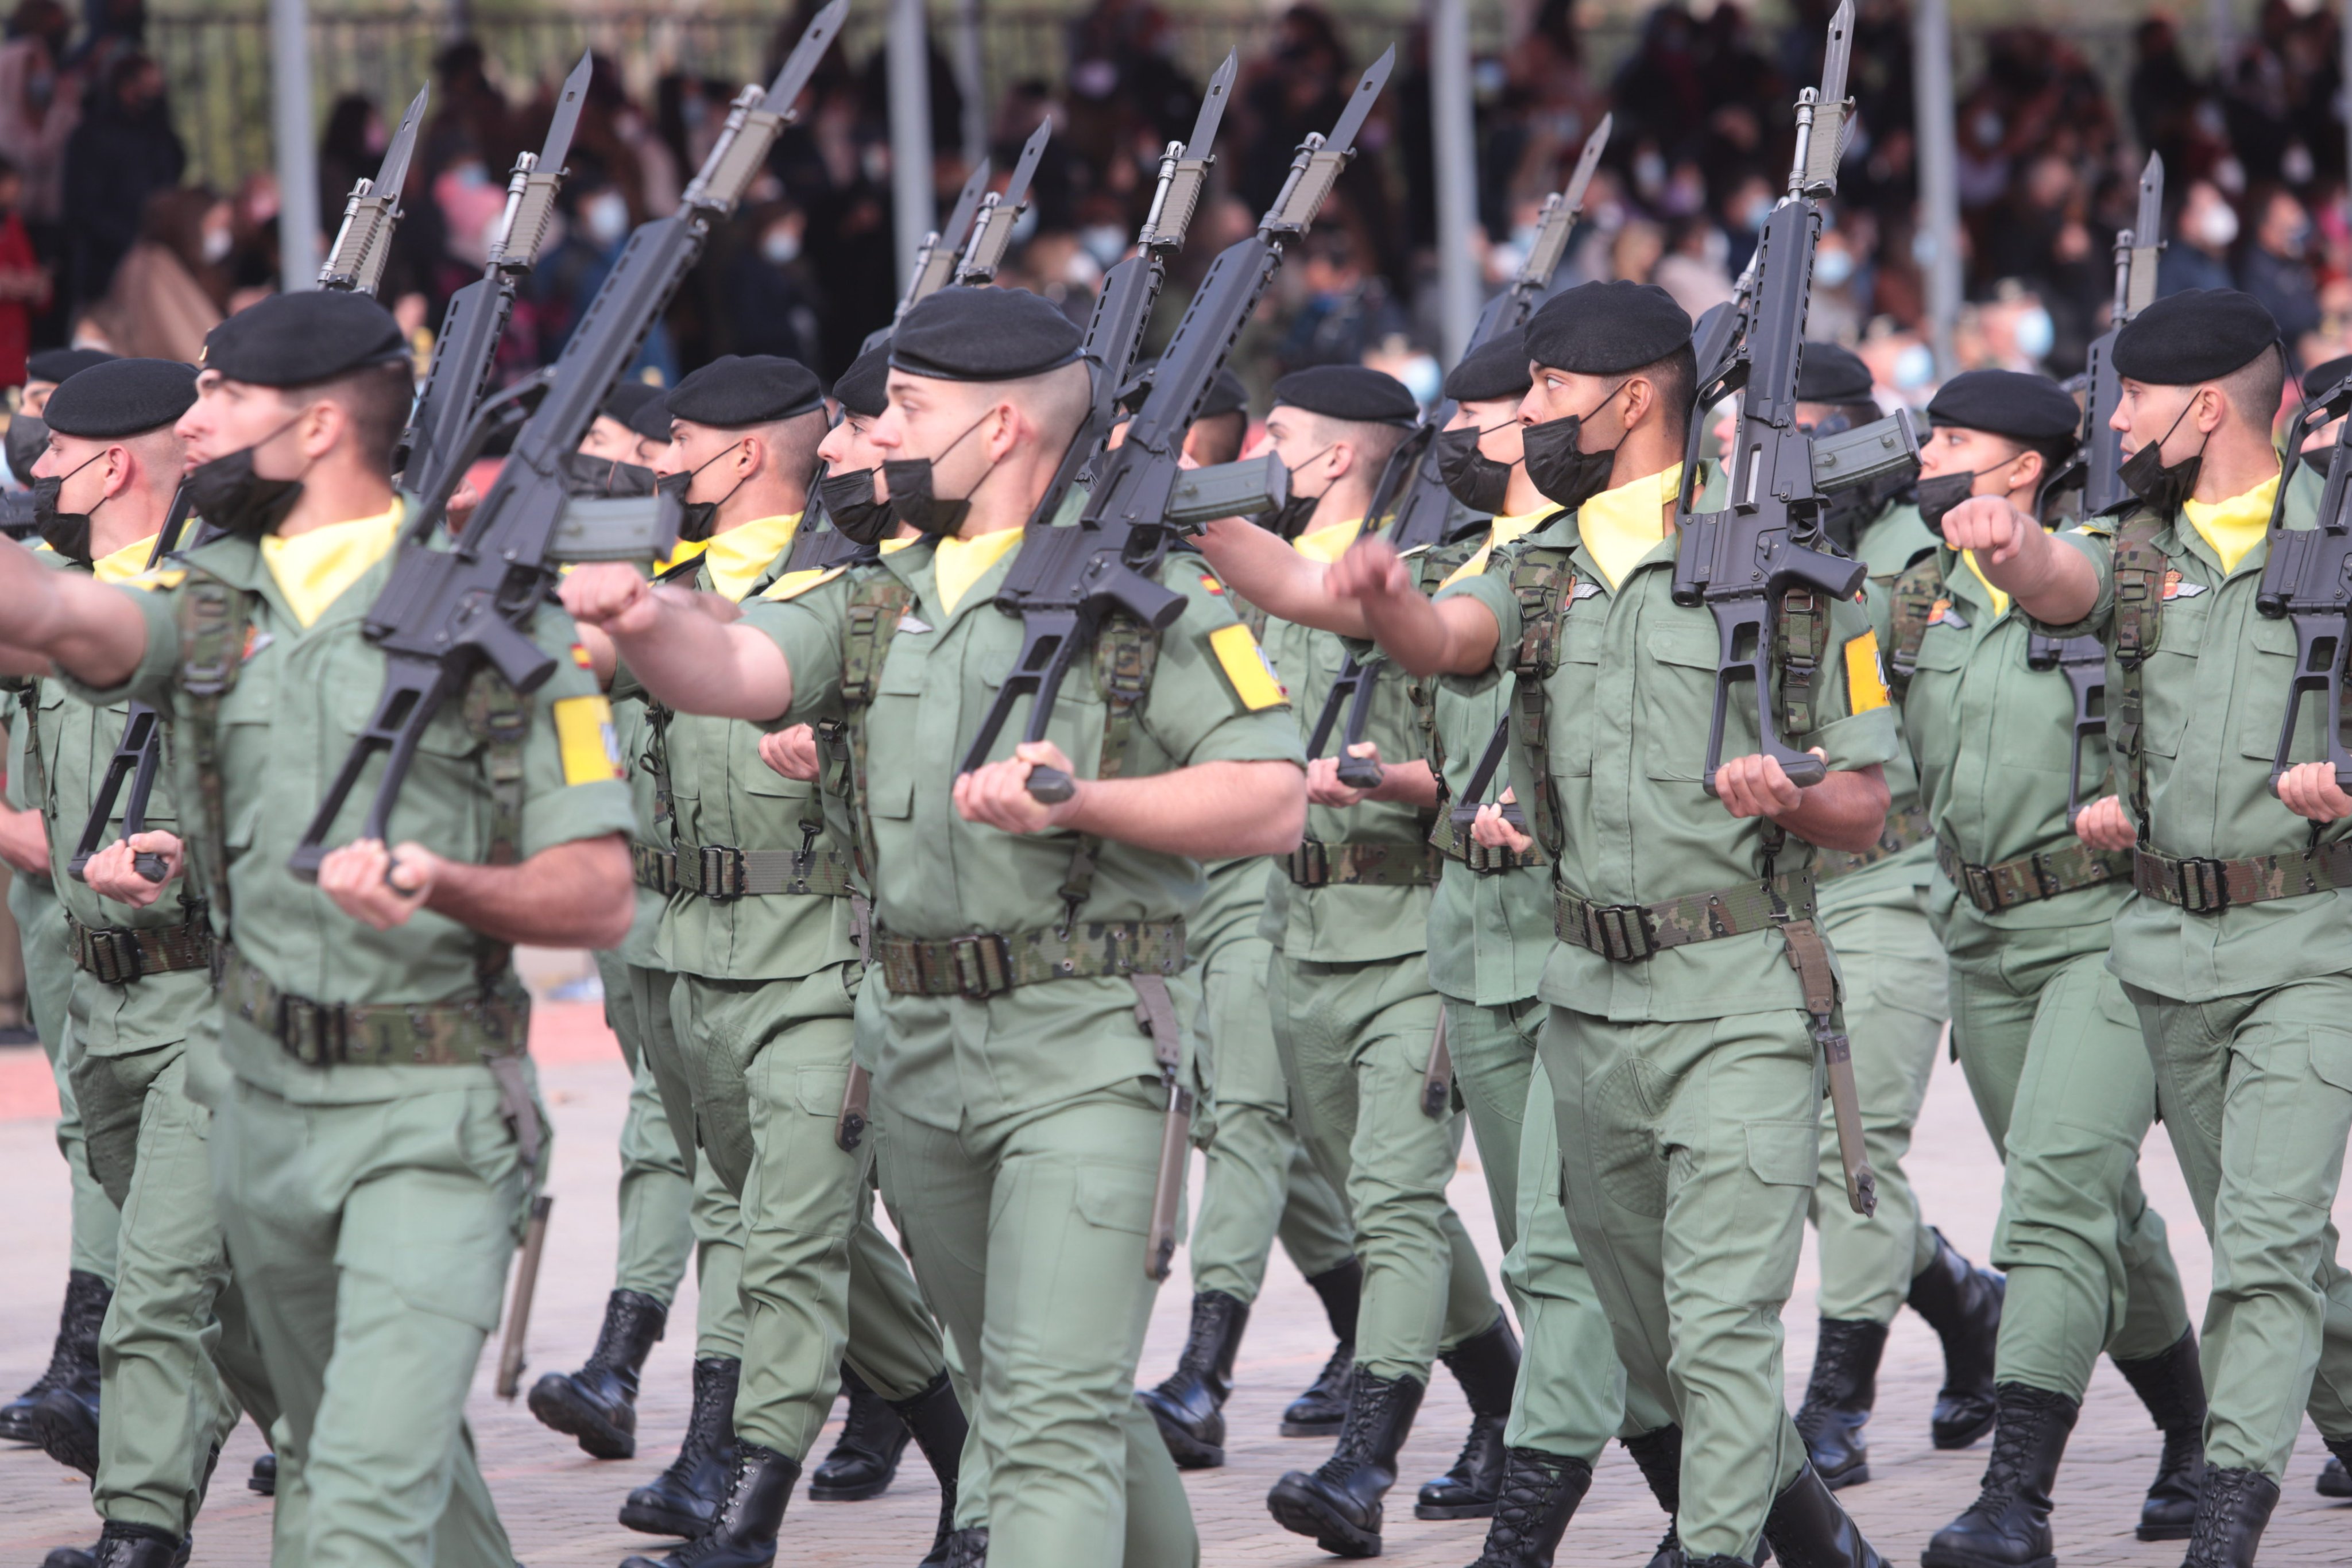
{"x": 2253, "y": 387}
{"x": 375, "y": 398}
{"x": 1675, "y": 380}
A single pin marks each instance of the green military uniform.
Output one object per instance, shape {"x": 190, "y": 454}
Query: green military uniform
{"x": 2232, "y": 955}
{"x": 368, "y": 1163}
{"x": 177, "y": 1359}
{"x": 1020, "y": 1100}
{"x": 1690, "y": 1131}
{"x": 2049, "y": 1044}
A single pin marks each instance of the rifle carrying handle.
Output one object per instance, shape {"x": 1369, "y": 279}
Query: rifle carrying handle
{"x": 1050, "y": 786}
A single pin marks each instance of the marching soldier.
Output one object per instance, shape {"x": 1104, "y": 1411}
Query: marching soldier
{"x": 1016, "y": 1089}
{"x": 376, "y": 1136}
{"x": 2232, "y": 952}
{"x": 1690, "y": 1131}
{"x": 2050, "y": 1045}
{"x": 1874, "y": 909}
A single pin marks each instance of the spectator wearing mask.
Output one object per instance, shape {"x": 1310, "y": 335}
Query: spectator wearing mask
{"x": 1348, "y": 312}
{"x": 770, "y": 299}
{"x": 595, "y": 227}
{"x": 124, "y": 149}
{"x": 2199, "y": 256}
{"x": 173, "y": 286}
{"x": 40, "y": 104}
{"x": 2275, "y": 269}
{"x": 24, "y": 281}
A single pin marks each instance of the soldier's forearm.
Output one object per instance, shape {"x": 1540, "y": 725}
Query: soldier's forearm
{"x": 93, "y": 632}
{"x": 1443, "y": 637}
{"x": 1407, "y": 784}
{"x": 689, "y": 661}
{"x": 1213, "y": 810}
{"x": 574, "y": 895}
{"x": 1846, "y": 810}
{"x": 1270, "y": 574}
{"x": 2052, "y": 582}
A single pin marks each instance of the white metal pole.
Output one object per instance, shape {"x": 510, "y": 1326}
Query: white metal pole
{"x": 913, "y": 208}
{"x": 1454, "y": 164}
{"x": 1939, "y": 185}
{"x": 298, "y": 154}
{"x": 975, "y": 85}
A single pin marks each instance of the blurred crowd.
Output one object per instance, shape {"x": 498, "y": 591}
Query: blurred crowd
{"x": 103, "y": 241}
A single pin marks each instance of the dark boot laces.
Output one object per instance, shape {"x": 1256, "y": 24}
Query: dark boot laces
{"x": 1367, "y": 1413}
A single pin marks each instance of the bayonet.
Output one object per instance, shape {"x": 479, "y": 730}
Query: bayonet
{"x": 992, "y": 231}
{"x": 363, "y": 245}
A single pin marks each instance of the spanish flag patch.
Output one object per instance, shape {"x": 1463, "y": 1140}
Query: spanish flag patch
{"x": 1866, "y": 684}
{"x": 580, "y": 656}
{"x": 583, "y": 734}
{"x": 1247, "y": 669}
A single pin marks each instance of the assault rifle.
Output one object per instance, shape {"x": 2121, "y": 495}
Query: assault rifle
{"x": 1420, "y": 517}
{"x": 448, "y": 611}
{"x": 355, "y": 261}
{"x": 2307, "y": 579}
{"x": 17, "y": 518}
{"x": 2136, "y": 248}
{"x": 2083, "y": 662}
{"x": 477, "y": 314}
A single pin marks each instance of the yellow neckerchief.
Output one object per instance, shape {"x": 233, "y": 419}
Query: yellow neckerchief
{"x": 126, "y": 563}
{"x": 735, "y": 558}
{"x": 1499, "y": 532}
{"x": 793, "y": 584}
{"x": 2236, "y": 526}
{"x": 684, "y": 550}
{"x": 960, "y": 562}
{"x": 2000, "y": 600}
{"x": 1620, "y": 527}
{"x": 1327, "y": 545}
{"x": 313, "y": 570}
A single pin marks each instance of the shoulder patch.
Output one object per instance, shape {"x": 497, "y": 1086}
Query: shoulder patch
{"x": 1866, "y": 683}
{"x": 584, "y": 733}
{"x": 793, "y": 584}
{"x": 1247, "y": 668}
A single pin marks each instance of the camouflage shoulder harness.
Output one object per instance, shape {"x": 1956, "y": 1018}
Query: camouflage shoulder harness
{"x": 214, "y": 621}
{"x": 1544, "y": 582}
{"x": 2140, "y": 569}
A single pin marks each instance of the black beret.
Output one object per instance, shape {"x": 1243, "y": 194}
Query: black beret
{"x": 1496, "y": 369}
{"x": 627, "y": 400}
{"x": 122, "y": 397}
{"x": 1831, "y": 373}
{"x": 864, "y": 388}
{"x": 736, "y": 390}
{"x": 1226, "y": 395}
{"x": 983, "y": 335}
{"x": 294, "y": 339}
{"x": 56, "y": 364}
{"x": 651, "y": 421}
{"x": 1356, "y": 393}
{"x": 2193, "y": 336}
{"x": 1602, "y": 329}
{"x": 2320, "y": 377}
{"x": 2006, "y": 403}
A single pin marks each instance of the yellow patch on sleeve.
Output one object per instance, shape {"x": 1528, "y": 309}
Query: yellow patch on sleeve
{"x": 1866, "y": 685}
{"x": 1245, "y": 666}
{"x": 793, "y": 584}
{"x": 584, "y": 733}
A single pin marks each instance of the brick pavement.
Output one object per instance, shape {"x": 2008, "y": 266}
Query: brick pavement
{"x": 559, "y": 1504}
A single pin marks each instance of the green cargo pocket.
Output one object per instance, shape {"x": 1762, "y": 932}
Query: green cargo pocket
{"x": 819, "y": 1090}
{"x": 2331, "y": 1057}
{"x": 1116, "y": 1198}
{"x": 1785, "y": 1153}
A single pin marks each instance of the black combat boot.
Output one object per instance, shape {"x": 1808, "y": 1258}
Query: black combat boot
{"x": 1962, "y": 1304}
{"x": 137, "y": 1546}
{"x": 1338, "y": 1502}
{"x": 73, "y": 1359}
{"x": 743, "y": 1534}
{"x": 2172, "y": 1387}
{"x": 1659, "y": 1456}
{"x": 967, "y": 1549}
{"x": 1807, "y": 1529}
{"x": 66, "y": 1421}
{"x": 937, "y": 1421}
{"x": 1189, "y": 1406}
{"x": 865, "y": 1457}
{"x": 1539, "y": 1496}
{"x": 598, "y": 1404}
{"x": 683, "y": 1499}
{"x": 1323, "y": 1408}
{"x": 264, "y": 1478}
{"x": 2335, "y": 1475}
{"x": 2231, "y": 1513}
{"x": 2008, "y": 1524}
{"x": 1487, "y": 1364}
{"x": 1838, "y": 1397}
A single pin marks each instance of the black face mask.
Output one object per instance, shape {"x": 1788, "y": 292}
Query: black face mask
{"x": 1567, "y": 476}
{"x": 28, "y": 438}
{"x": 1289, "y": 520}
{"x": 1938, "y": 496}
{"x": 1472, "y": 478}
{"x": 849, "y": 503}
{"x": 908, "y": 482}
{"x": 2163, "y": 488}
{"x": 587, "y": 475}
{"x": 697, "y": 518}
{"x": 230, "y": 496}
{"x": 67, "y": 533}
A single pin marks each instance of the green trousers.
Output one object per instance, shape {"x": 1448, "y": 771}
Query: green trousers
{"x": 372, "y": 1242}
{"x": 1571, "y": 1398}
{"x": 1257, "y": 1182}
{"x": 1691, "y": 1151}
{"x": 767, "y": 1061}
{"x": 714, "y": 1218}
{"x": 1354, "y": 1039}
{"x": 2053, "y": 1053}
{"x": 177, "y": 1359}
{"x": 656, "y": 1195}
{"x": 48, "y": 990}
{"x": 1028, "y": 1236}
{"x": 1895, "y": 1004}
{"x": 2257, "y": 1097}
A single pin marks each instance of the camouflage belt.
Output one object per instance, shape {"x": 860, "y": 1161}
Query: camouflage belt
{"x": 1628, "y": 933}
{"x": 1454, "y": 843}
{"x": 2203, "y": 886}
{"x": 1904, "y": 829}
{"x": 477, "y": 1031}
{"x": 718, "y": 873}
{"x": 1314, "y": 864}
{"x": 656, "y": 870}
{"x": 119, "y": 954}
{"x": 2028, "y": 879}
{"x": 986, "y": 964}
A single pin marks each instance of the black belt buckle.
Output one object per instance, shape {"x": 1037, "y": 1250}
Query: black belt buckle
{"x": 114, "y": 958}
{"x": 1310, "y": 864}
{"x": 314, "y": 1034}
{"x": 968, "y": 962}
{"x": 722, "y": 868}
{"x": 2202, "y": 883}
{"x": 1620, "y": 932}
{"x": 1981, "y": 892}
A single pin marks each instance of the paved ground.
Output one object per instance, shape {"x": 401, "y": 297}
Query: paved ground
{"x": 559, "y": 1504}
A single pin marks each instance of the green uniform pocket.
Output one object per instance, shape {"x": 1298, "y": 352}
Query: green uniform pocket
{"x": 1784, "y": 1154}
{"x": 1116, "y": 1198}
{"x": 2331, "y": 1058}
